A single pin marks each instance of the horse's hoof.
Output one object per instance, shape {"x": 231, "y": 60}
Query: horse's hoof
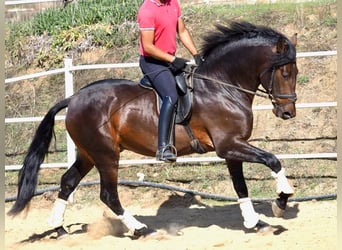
{"x": 277, "y": 211}
{"x": 61, "y": 232}
{"x": 263, "y": 227}
{"x": 143, "y": 232}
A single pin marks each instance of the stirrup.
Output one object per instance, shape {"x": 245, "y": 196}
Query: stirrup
{"x": 167, "y": 153}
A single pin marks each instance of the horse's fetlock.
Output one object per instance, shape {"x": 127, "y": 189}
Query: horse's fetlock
{"x": 56, "y": 218}
{"x": 249, "y": 215}
{"x": 283, "y": 186}
{"x": 130, "y": 222}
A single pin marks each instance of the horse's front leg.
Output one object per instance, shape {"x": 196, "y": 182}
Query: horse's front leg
{"x": 243, "y": 151}
{"x": 251, "y": 218}
{"x": 284, "y": 190}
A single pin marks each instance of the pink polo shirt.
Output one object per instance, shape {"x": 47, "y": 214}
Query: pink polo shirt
{"x": 162, "y": 18}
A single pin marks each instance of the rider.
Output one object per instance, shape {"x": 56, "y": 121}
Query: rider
{"x": 159, "y": 23}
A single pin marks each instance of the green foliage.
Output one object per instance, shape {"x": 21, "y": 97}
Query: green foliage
{"x": 330, "y": 21}
{"x": 102, "y": 36}
{"x": 104, "y": 23}
{"x": 67, "y": 39}
{"x": 49, "y": 59}
{"x": 84, "y": 13}
{"x": 15, "y": 39}
{"x": 302, "y": 79}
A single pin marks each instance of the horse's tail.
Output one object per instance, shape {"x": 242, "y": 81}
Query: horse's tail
{"x": 28, "y": 174}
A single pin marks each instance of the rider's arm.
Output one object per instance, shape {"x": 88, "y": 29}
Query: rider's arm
{"x": 147, "y": 38}
{"x": 185, "y": 37}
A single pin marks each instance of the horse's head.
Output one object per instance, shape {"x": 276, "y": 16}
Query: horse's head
{"x": 280, "y": 82}
{"x": 247, "y": 55}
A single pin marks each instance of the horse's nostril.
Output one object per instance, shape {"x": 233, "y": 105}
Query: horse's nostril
{"x": 286, "y": 115}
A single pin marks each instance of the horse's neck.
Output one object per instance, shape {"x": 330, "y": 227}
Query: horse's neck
{"x": 244, "y": 84}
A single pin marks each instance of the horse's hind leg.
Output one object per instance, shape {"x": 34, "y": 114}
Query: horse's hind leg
{"x": 109, "y": 195}
{"x": 69, "y": 181}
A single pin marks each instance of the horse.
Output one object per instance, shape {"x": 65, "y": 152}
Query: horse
{"x": 111, "y": 115}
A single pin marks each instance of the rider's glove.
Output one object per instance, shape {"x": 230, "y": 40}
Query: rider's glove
{"x": 178, "y": 64}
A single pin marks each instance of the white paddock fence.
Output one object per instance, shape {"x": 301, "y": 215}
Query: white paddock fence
{"x": 71, "y": 154}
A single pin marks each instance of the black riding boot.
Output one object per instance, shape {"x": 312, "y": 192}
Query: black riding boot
{"x": 166, "y": 151}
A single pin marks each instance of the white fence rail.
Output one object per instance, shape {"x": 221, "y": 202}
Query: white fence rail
{"x": 69, "y": 68}
{"x": 13, "y": 2}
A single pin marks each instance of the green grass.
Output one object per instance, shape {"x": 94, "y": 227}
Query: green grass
{"x": 83, "y": 13}
{"x": 302, "y": 79}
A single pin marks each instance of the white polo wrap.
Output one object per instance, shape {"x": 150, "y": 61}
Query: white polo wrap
{"x": 130, "y": 222}
{"x": 56, "y": 218}
{"x": 282, "y": 183}
{"x": 249, "y": 215}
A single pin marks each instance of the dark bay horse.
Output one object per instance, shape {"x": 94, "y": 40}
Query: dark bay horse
{"x": 111, "y": 115}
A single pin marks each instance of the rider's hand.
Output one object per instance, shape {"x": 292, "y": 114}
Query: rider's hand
{"x": 178, "y": 64}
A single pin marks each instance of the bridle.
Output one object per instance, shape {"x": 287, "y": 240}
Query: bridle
{"x": 292, "y": 97}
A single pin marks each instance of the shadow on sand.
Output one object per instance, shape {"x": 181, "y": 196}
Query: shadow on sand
{"x": 186, "y": 211}
{"x": 179, "y": 212}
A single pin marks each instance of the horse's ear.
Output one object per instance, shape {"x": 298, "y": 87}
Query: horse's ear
{"x": 281, "y": 45}
{"x": 293, "y": 39}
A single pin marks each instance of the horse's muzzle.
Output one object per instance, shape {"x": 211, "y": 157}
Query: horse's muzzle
{"x": 285, "y": 112}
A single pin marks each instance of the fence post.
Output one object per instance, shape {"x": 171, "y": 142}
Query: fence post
{"x": 69, "y": 90}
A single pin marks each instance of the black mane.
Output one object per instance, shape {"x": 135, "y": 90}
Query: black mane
{"x": 243, "y": 33}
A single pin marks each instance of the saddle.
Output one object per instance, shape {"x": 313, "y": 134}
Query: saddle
{"x": 184, "y": 82}
{"x": 185, "y": 89}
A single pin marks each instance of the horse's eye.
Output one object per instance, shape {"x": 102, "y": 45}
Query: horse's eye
{"x": 285, "y": 73}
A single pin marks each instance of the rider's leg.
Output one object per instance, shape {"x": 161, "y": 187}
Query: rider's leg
{"x": 166, "y": 151}
{"x": 163, "y": 81}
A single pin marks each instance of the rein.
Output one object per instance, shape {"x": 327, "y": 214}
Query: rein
{"x": 199, "y": 76}
{"x": 266, "y": 94}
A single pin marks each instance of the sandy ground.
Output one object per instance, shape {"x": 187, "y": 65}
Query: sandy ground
{"x": 181, "y": 223}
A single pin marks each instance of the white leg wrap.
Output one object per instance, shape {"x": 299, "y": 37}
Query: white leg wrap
{"x": 130, "y": 222}
{"x": 282, "y": 183}
{"x": 56, "y": 218}
{"x": 249, "y": 215}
